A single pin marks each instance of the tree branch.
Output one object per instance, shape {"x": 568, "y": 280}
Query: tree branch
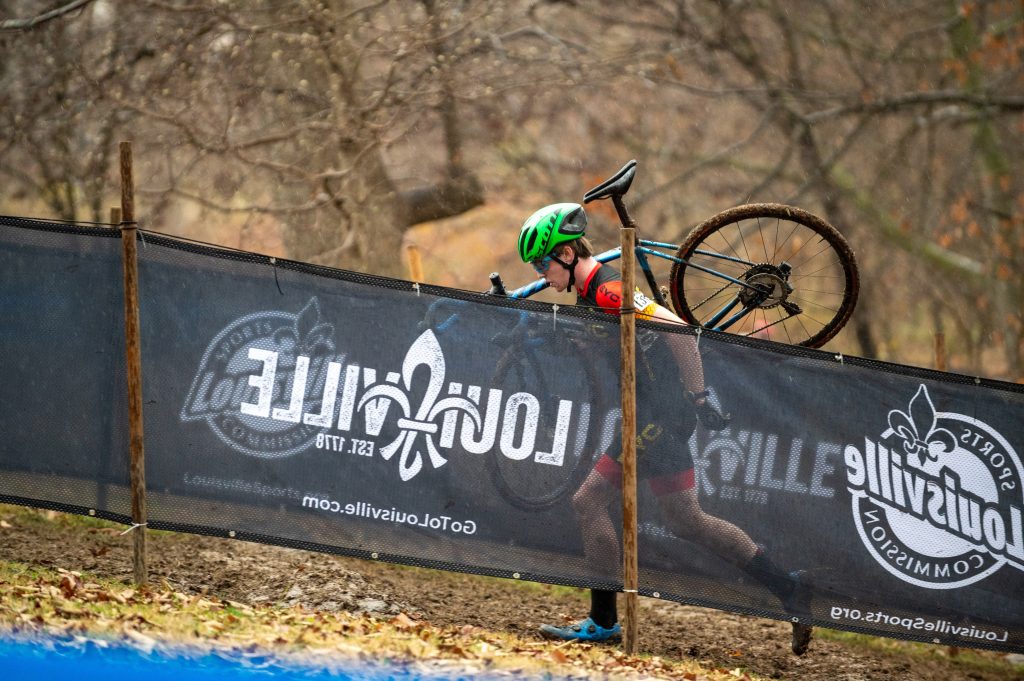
{"x": 452, "y": 197}
{"x": 26, "y": 24}
{"x": 914, "y": 99}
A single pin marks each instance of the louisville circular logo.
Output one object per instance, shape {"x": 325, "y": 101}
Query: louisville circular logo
{"x": 937, "y": 499}
{"x": 222, "y": 383}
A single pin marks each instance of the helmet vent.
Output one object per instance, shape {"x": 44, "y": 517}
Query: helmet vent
{"x": 530, "y": 242}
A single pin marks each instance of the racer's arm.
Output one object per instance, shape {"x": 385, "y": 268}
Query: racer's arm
{"x": 684, "y": 347}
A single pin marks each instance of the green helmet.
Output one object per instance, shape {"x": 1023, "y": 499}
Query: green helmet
{"x": 550, "y": 227}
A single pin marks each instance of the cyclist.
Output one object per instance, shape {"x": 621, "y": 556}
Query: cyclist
{"x": 553, "y": 241}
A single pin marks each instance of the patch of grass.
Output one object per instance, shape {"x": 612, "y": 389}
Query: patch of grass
{"x": 970, "y": 658}
{"x": 35, "y": 517}
{"x": 78, "y": 606}
{"x": 552, "y": 589}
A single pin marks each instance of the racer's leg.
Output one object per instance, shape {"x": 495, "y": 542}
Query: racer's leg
{"x": 591, "y": 503}
{"x": 600, "y": 541}
{"x": 686, "y": 519}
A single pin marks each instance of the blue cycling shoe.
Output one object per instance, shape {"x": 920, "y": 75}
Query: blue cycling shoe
{"x": 584, "y": 630}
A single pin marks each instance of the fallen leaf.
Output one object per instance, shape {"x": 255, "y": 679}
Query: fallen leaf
{"x": 456, "y": 650}
{"x": 213, "y": 624}
{"x": 69, "y": 584}
{"x": 403, "y": 621}
{"x": 417, "y": 648}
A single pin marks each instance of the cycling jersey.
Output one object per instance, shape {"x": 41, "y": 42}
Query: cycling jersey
{"x": 603, "y": 289}
{"x": 665, "y": 419}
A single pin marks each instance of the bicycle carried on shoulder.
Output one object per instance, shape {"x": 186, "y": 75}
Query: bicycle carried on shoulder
{"x": 763, "y": 269}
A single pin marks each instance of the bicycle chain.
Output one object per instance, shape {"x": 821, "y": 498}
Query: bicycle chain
{"x": 711, "y": 296}
{"x": 777, "y": 321}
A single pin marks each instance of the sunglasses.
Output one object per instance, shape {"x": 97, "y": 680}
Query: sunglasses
{"x": 542, "y": 265}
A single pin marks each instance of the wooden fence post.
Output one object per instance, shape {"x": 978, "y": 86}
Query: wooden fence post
{"x": 133, "y": 356}
{"x": 412, "y": 251}
{"x": 940, "y": 351}
{"x": 628, "y": 388}
{"x": 940, "y": 364}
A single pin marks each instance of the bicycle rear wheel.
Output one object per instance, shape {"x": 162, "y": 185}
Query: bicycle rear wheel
{"x": 793, "y": 276}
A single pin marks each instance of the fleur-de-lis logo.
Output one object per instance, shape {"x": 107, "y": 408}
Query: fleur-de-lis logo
{"x": 426, "y": 351}
{"x": 919, "y": 429}
{"x": 306, "y": 336}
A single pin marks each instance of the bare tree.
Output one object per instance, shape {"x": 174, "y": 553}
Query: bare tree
{"x": 852, "y": 118}
{"x": 345, "y": 122}
{"x": 57, "y": 137}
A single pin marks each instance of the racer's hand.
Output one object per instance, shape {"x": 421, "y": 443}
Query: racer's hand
{"x": 708, "y": 415}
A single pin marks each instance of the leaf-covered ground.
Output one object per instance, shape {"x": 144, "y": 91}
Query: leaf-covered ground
{"x": 71, "y": 577}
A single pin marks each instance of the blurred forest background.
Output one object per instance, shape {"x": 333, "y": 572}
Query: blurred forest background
{"x": 340, "y": 132}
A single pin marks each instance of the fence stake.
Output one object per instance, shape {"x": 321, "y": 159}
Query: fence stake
{"x": 415, "y": 262}
{"x": 940, "y": 364}
{"x": 133, "y": 356}
{"x": 628, "y": 387}
{"x": 940, "y": 351}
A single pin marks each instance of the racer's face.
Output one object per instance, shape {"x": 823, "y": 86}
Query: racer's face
{"x": 553, "y": 273}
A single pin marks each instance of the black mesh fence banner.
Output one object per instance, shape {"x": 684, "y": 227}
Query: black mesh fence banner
{"x": 309, "y": 407}
{"x": 342, "y": 413}
{"x": 63, "y": 404}
{"x": 896, "y": 492}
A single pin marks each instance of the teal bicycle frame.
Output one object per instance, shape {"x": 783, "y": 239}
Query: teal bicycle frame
{"x": 720, "y": 321}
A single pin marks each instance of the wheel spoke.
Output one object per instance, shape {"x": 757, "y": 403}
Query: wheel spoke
{"x": 819, "y": 269}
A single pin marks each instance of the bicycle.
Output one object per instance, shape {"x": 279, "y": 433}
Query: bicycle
{"x": 719, "y": 281}
{"x": 752, "y": 297}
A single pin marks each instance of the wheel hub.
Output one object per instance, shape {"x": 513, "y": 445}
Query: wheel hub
{"x": 770, "y": 286}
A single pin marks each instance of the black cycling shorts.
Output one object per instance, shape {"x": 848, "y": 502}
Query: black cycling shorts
{"x": 665, "y": 420}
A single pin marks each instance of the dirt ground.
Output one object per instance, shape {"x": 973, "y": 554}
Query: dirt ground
{"x": 267, "y": 575}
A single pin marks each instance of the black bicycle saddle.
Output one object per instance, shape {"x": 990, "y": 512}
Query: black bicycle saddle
{"x": 616, "y": 185}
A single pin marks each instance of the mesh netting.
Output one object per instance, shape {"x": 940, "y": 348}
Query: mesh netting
{"x": 62, "y": 394}
{"x": 315, "y": 408}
